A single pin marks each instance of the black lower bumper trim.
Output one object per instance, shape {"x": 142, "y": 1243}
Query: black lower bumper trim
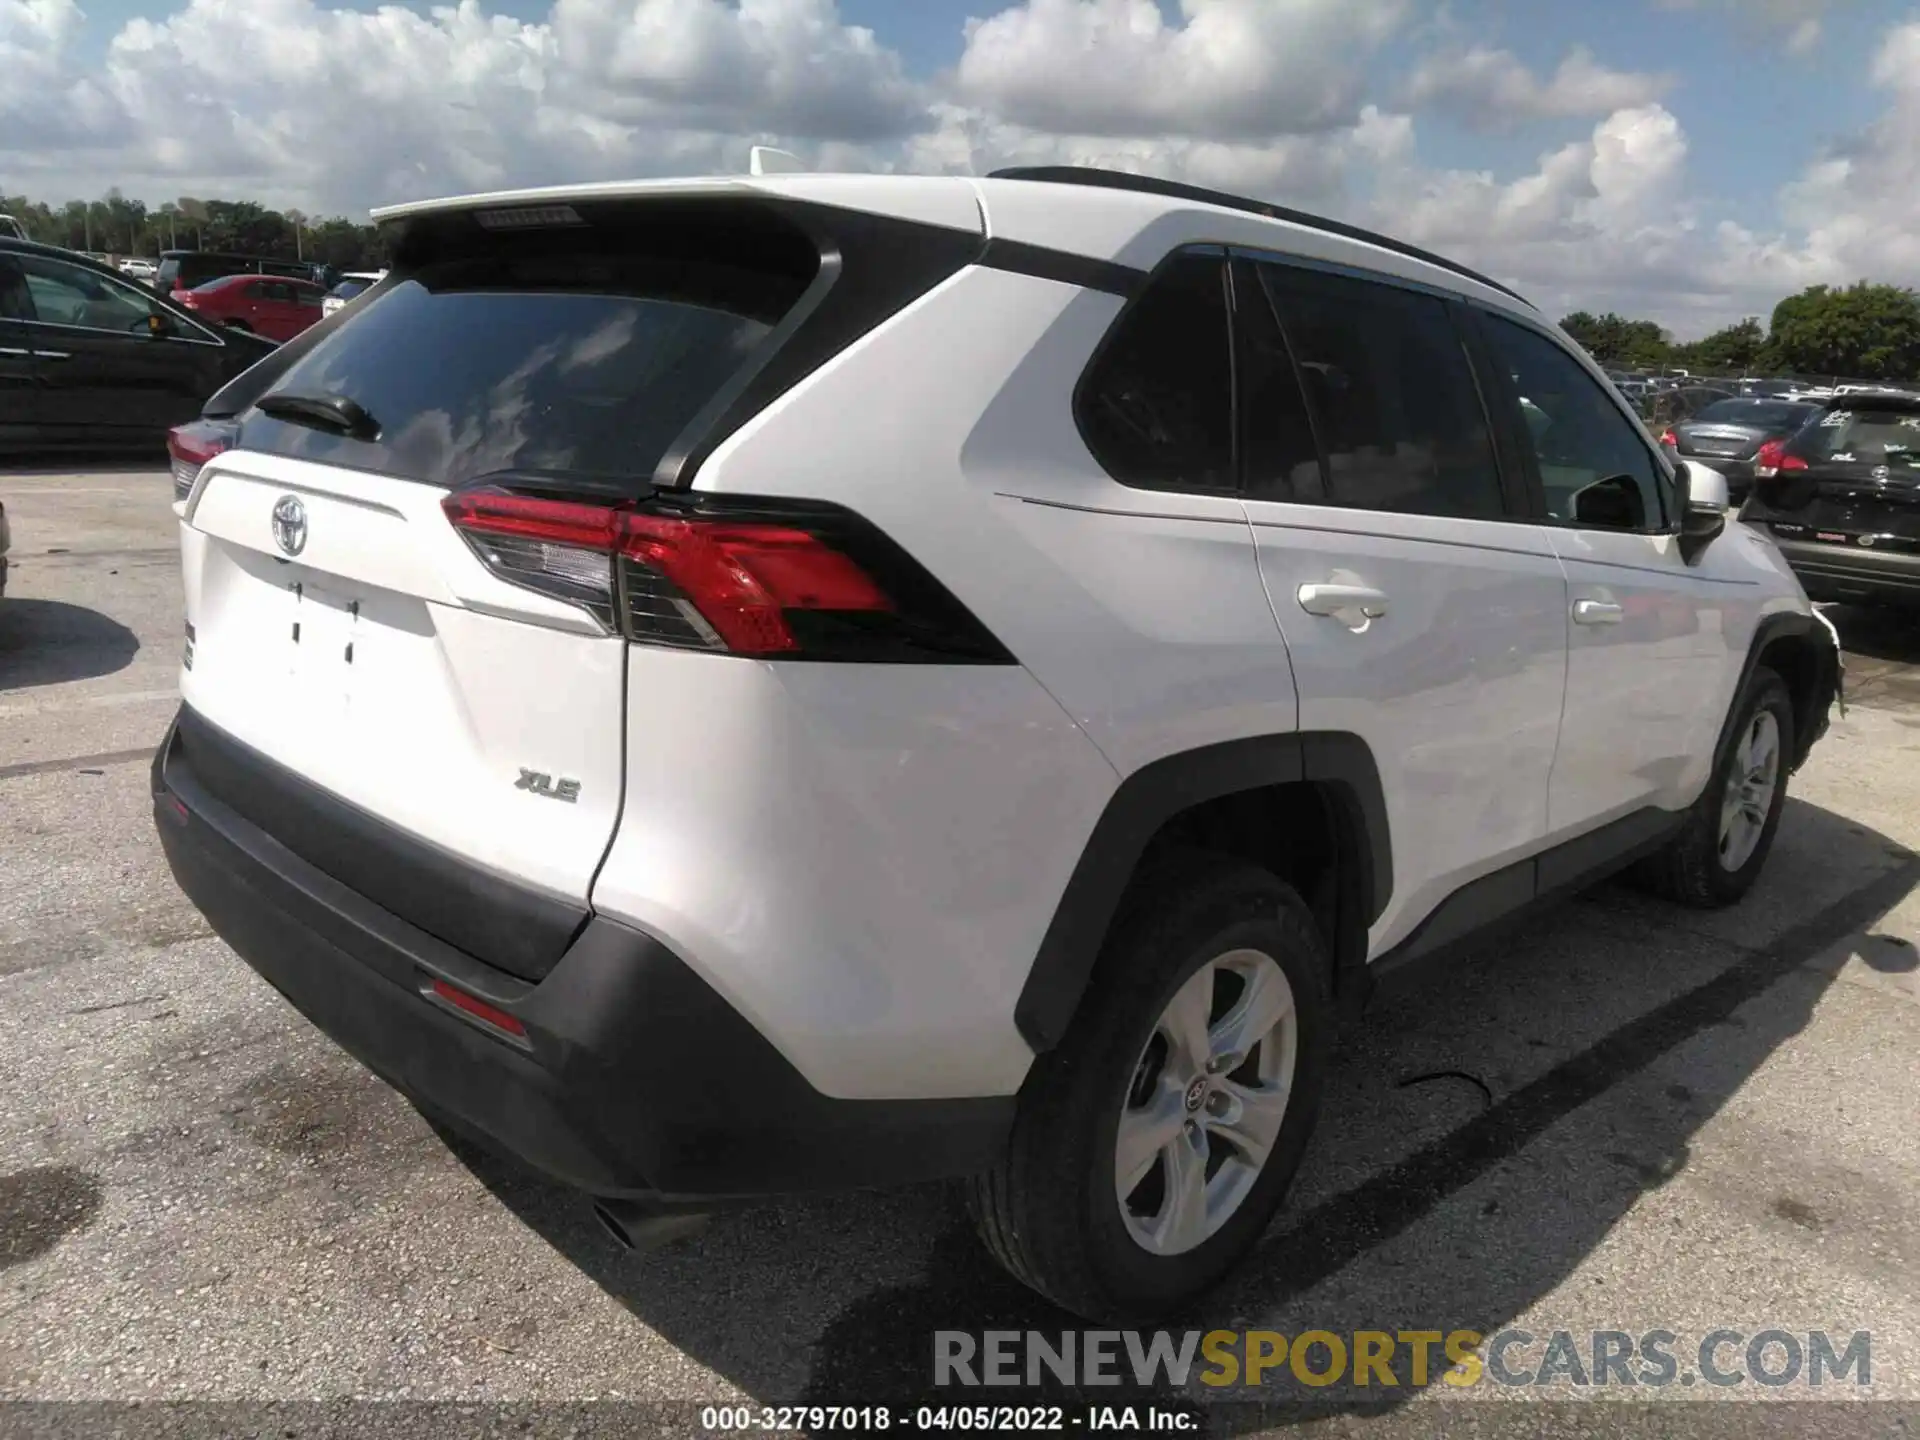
{"x": 636, "y": 1079}
{"x": 1853, "y": 572}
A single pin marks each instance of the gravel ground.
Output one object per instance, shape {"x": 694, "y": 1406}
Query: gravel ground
{"x": 1624, "y": 1118}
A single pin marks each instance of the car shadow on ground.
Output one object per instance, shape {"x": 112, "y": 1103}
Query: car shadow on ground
{"x": 1882, "y": 646}
{"x": 49, "y": 642}
{"x": 1443, "y": 1190}
{"x": 117, "y": 462}
{"x": 1879, "y": 632}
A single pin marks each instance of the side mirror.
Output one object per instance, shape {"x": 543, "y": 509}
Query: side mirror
{"x": 1611, "y": 504}
{"x": 1704, "y": 515}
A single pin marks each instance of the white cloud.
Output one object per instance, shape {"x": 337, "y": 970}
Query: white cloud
{"x": 342, "y": 109}
{"x": 1797, "y": 24}
{"x": 1307, "y": 170}
{"x": 1233, "y": 70}
{"x": 1494, "y": 90}
{"x": 295, "y": 102}
{"x": 788, "y": 66}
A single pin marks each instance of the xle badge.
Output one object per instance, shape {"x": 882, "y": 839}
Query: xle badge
{"x": 534, "y": 783}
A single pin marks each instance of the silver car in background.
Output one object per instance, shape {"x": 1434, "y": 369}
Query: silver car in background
{"x": 351, "y": 284}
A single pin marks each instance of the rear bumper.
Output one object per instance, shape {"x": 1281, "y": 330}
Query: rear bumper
{"x": 635, "y": 1079}
{"x": 1853, "y": 573}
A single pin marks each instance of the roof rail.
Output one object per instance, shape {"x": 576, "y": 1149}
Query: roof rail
{"x": 1174, "y": 190}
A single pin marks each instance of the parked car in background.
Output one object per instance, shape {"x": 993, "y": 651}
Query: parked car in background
{"x": 1728, "y": 433}
{"x": 89, "y": 359}
{"x": 1675, "y": 403}
{"x": 190, "y": 269}
{"x": 275, "y": 307}
{"x": 353, "y": 283}
{"x": 1841, "y": 497}
{"x": 139, "y": 269}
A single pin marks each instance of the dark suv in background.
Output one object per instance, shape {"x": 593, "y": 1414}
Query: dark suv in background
{"x": 190, "y": 269}
{"x": 1841, "y": 497}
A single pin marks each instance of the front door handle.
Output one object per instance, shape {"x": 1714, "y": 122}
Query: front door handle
{"x": 1335, "y": 599}
{"x": 1596, "y": 612}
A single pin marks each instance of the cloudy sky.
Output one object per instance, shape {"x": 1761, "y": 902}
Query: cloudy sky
{"x": 1689, "y": 160}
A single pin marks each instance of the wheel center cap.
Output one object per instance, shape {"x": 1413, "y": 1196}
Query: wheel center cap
{"x": 1197, "y": 1093}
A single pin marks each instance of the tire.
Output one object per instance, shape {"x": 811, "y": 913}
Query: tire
{"x": 1052, "y": 1212}
{"x": 1694, "y": 869}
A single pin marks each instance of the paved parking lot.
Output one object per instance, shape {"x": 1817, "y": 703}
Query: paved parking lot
{"x": 1627, "y": 1118}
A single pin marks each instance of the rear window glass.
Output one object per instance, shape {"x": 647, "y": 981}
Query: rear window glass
{"x": 1865, "y": 435}
{"x": 532, "y": 358}
{"x": 1771, "y": 416}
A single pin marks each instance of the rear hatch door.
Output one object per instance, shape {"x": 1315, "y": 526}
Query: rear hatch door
{"x": 1851, "y": 478}
{"x": 408, "y": 717}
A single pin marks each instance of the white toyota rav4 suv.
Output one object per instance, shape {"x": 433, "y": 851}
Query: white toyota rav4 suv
{"x": 734, "y": 687}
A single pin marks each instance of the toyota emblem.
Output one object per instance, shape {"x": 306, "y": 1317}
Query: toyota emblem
{"x": 1880, "y": 472}
{"x": 290, "y": 524}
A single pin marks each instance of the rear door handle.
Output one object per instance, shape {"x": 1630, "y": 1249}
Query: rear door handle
{"x": 1334, "y": 599}
{"x": 1596, "y": 612}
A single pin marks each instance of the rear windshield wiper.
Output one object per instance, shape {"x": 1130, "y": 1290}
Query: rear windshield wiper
{"x": 323, "y": 412}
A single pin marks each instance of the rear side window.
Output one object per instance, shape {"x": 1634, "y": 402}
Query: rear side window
{"x": 571, "y": 353}
{"x": 1392, "y": 395}
{"x": 1156, "y": 405}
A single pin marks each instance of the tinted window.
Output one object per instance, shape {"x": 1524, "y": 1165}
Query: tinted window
{"x": 57, "y": 293}
{"x": 1156, "y": 406}
{"x": 588, "y": 363}
{"x": 1595, "y": 466}
{"x": 1866, "y": 435}
{"x": 1392, "y": 395}
{"x": 1767, "y": 415}
{"x": 1279, "y": 456}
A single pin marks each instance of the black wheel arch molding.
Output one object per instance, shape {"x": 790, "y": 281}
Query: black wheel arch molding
{"x": 1814, "y": 687}
{"x": 1339, "y": 764}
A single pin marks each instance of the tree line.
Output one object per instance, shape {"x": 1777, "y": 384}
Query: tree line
{"x": 121, "y": 227}
{"x": 1857, "y": 332}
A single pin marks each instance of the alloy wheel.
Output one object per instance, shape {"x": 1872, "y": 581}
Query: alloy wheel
{"x": 1206, "y": 1101}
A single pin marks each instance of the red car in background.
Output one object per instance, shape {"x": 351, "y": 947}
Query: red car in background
{"x": 274, "y": 306}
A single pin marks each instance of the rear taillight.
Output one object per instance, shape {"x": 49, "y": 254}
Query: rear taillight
{"x": 1772, "y": 458}
{"x": 191, "y": 446}
{"x": 768, "y": 579}
{"x": 1669, "y": 439}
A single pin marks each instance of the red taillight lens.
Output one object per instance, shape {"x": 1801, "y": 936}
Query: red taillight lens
{"x": 1772, "y": 458}
{"x": 784, "y": 580}
{"x": 191, "y": 446}
{"x": 1668, "y": 439}
{"x": 480, "y": 1010}
{"x": 744, "y": 578}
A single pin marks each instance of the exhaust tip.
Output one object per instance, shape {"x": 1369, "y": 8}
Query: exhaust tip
{"x": 637, "y": 1228}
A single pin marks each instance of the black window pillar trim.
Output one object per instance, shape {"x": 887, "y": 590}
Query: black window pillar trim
{"x": 1526, "y": 497}
{"x": 1340, "y": 763}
